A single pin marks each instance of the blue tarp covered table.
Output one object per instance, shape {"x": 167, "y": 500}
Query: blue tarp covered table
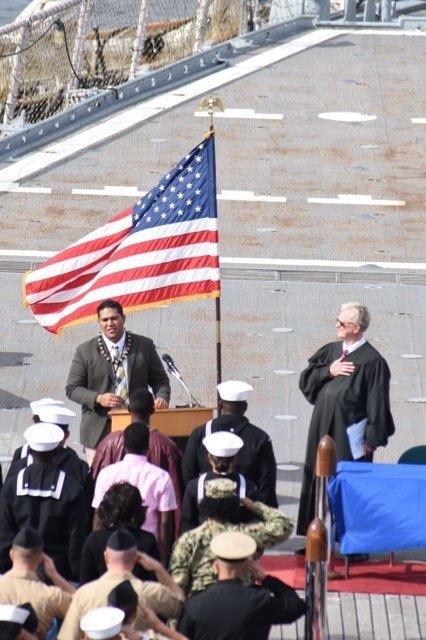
{"x": 379, "y": 507}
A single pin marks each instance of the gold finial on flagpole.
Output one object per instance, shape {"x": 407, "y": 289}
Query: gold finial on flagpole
{"x": 211, "y": 103}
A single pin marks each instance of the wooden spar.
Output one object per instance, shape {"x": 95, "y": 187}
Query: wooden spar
{"x": 325, "y": 469}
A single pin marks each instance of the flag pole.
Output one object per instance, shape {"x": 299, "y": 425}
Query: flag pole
{"x": 210, "y": 104}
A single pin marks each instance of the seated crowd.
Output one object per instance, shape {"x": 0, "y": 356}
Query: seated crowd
{"x": 143, "y": 544}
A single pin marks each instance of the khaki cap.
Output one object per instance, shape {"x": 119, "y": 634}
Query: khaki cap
{"x": 233, "y": 546}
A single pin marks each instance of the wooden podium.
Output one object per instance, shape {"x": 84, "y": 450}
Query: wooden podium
{"x": 174, "y": 422}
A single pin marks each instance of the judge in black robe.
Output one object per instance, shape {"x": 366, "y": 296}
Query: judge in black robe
{"x": 344, "y": 388}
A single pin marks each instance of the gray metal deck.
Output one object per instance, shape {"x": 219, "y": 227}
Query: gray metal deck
{"x": 275, "y": 313}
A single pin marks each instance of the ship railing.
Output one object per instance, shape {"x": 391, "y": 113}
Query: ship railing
{"x": 81, "y": 58}
{"x": 78, "y": 48}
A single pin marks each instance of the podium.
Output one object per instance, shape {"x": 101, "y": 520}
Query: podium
{"x": 174, "y": 422}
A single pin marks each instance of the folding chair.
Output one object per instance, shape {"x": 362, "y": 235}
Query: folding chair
{"x": 415, "y": 455}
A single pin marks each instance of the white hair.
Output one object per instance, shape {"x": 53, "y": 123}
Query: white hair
{"x": 359, "y": 314}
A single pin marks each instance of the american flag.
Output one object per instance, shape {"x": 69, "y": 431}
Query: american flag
{"x": 163, "y": 249}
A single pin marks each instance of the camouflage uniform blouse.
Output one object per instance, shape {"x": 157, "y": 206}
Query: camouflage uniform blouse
{"x": 191, "y": 564}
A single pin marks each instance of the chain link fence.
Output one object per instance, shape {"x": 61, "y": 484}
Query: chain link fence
{"x": 72, "y": 50}
{"x": 34, "y": 70}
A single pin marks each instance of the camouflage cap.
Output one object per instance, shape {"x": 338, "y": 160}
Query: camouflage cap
{"x": 220, "y": 488}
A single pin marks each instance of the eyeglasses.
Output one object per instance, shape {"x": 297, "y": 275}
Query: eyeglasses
{"x": 343, "y": 324}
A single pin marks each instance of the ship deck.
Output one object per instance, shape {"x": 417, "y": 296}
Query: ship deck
{"x": 314, "y": 211}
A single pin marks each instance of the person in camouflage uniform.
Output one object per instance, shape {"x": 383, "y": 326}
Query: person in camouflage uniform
{"x": 192, "y": 562}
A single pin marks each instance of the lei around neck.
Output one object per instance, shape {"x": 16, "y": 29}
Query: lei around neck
{"x": 106, "y": 354}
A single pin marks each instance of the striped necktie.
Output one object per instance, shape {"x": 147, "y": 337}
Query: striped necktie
{"x": 345, "y": 352}
{"x": 120, "y": 376}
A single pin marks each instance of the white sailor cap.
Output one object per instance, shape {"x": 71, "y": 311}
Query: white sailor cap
{"x": 102, "y": 623}
{"x": 223, "y": 444}
{"x": 11, "y": 613}
{"x": 43, "y": 436}
{"x": 234, "y": 390}
{"x": 43, "y": 402}
{"x": 56, "y": 415}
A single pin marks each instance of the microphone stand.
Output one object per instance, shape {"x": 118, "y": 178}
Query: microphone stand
{"x": 191, "y": 400}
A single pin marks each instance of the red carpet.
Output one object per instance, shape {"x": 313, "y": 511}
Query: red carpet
{"x": 364, "y": 577}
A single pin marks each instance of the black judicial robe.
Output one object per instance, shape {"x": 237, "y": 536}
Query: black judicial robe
{"x": 46, "y": 498}
{"x": 341, "y": 401}
{"x": 230, "y": 610}
{"x": 255, "y": 460}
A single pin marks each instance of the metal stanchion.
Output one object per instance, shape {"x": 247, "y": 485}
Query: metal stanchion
{"x": 316, "y": 581}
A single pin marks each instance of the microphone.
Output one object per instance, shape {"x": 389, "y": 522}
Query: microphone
{"x": 175, "y": 372}
{"x": 170, "y": 364}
